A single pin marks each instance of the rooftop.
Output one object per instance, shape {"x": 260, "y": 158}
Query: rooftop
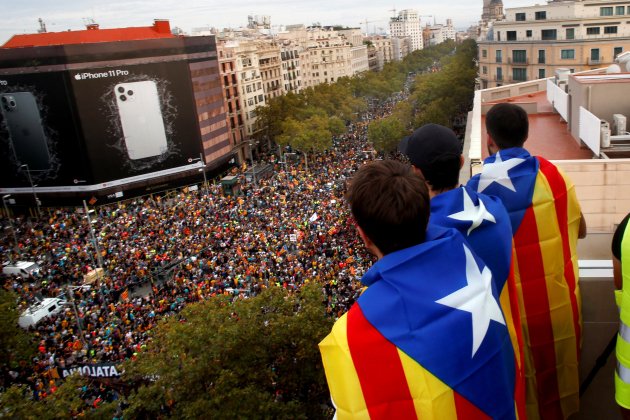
{"x": 93, "y": 34}
{"x": 544, "y": 124}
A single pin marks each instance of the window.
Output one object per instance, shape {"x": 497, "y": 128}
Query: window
{"x": 499, "y": 56}
{"x": 520, "y": 17}
{"x": 484, "y": 70}
{"x": 595, "y": 54}
{"x": 541, "y": 56}
{"x": 528, "y": 33}
{"x": 592, "y": 31}
{"x": 499, "y": 74}
{"x": 620, "y": 10}
{"x": 610, "y": 29}
{"x": 605, "y": 11}
{"x": 519, "y": 57}
{"x": 570, "y": 33}
{"x": 511, "y": 35}
{"x": 484, "y": 53}
{"x": 567, "y": 54}
{"x": 519, "y": 75}
{"x": 498, "y": 35}
{"x": 548, "y": 34}
{"x": 617, "y": 51}
{"x": 540, "y": 15}
{"x": 541, "y": 73}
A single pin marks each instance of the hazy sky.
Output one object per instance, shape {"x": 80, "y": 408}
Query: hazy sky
{"x": 20, "y": 16}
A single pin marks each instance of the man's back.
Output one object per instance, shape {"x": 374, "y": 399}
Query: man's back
{"x": 427, "y": 338}
{"x": 545, "y": 218}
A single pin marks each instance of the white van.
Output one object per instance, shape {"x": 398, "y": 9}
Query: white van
{"x": 20, "y": 268}
{"x": 39, "y": 311}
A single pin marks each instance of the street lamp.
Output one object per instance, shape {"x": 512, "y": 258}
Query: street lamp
{"x": 251, "y": 155}
{"x": 99, "y": 257}
{"x": 202, "y": 169}
{"x": 6, "y": 209}
{"x": 30, "y": 180}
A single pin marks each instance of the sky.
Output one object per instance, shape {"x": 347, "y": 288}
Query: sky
{"x": 19, "y": 17}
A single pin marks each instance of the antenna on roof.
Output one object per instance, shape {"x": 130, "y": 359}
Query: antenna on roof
{"x": 42, "y": 26}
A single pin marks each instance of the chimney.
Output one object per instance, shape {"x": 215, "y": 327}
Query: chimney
{"x": 162, "y": 26}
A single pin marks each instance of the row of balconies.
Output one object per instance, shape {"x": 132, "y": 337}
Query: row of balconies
{"x": 524, "y": 62}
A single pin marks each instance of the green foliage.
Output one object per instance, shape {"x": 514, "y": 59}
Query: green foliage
{"x": 386, "y": 133}
{"x": 66, "y": 402}
{"x": 17, "y": 344}
{"x": 237, "y": 360}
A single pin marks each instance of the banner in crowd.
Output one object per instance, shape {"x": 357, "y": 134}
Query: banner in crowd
{"x": 101, "y": 370}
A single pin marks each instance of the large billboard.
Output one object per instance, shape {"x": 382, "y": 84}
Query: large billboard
{"x": 136, "y": 119}
{"x": 92, "y": 128}
{"x": 38, "y": 136}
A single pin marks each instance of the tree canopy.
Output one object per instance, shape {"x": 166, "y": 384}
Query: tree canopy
{"x": 236, "y": 360}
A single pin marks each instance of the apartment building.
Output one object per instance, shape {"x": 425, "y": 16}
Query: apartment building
{"x": 400, "y": 48}
{"x": 436, "y": 34}
{"x": 326, "y": 58}
{"x": 532, "y": 42}
{"x": 407, "y": 25}
{"x": 383, "y": 47}
{"x": 249, "y": 81}
{"x": 231, "y": 96}
{"x": 291, "y": 68}
{"x": 270, "y": 65}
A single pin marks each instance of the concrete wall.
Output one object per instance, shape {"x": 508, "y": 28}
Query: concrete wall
{"x": 602, "y": 188}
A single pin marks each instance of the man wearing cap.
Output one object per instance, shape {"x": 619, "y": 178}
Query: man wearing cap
{"x": 546, "y": 223}
{"x": 435, "y": 155}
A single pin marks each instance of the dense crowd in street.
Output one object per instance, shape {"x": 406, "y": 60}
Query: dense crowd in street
{"x": 186, "y": 246}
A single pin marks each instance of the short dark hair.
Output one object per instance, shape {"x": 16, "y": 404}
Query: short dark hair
{"x": 390, "y": 204}
{"x": 508, "y": 125}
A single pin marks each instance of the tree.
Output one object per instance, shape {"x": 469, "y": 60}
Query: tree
{"x": 386, "y": 133}
{"x": 236, "y": 360}
{"x": 17, "y": 344}
{"x": 66, "y": 402}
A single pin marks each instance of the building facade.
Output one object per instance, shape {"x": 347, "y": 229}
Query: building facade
{"x": 533, "y": 42}
{"x": 407, "y": 25}
{"x": 291, "y": 68}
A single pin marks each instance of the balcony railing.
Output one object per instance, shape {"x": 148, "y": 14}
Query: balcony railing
{"x": 595, "y": 61}
{"x": 518, "y": 79}
{"x": 498, "y": 78}
{"x": 521, "y": 61}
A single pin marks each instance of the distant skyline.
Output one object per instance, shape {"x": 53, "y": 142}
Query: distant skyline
{"x": 60, "y": 15}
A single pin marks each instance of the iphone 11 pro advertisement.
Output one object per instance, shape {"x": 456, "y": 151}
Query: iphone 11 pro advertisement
{"x": 38, "y": 136}
{"x": 136, "y": 119}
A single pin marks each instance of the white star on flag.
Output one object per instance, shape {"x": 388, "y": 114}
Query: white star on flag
{"x": 472, "y": 213}
{"x": 476, "y": 297}
{"x": 497, "y": 171}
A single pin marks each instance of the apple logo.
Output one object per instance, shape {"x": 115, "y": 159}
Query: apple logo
{"x": 77, "y": 76}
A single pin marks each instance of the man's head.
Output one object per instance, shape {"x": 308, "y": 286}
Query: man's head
{"x": 390, "y": 205}
{"x": 437, "y": 153}
{"x": 507, "y": 125}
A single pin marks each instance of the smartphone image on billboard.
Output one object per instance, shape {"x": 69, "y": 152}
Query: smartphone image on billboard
{"x": 141, "y": 119}
{"x": 24, "y": 123}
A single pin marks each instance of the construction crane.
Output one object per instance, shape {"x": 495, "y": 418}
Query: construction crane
{"x": 366, "y": 24}
{"x": 393, "y": 11}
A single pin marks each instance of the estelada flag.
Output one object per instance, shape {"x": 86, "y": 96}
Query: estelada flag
{"x": 545, "y": 217}
{"x": 427, "y": 339}
{"x": 92, "y": 201}
{"x": 485, "y": 224}
{"x": 125, "y": 295}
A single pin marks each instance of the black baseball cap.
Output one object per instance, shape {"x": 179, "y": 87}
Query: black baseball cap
{"x": 430, "y": 144}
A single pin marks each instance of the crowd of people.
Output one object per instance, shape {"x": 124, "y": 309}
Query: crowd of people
{"x": 162, "y": 252}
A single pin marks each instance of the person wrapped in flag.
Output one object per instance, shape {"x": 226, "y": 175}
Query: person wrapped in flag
{"x": 435, "y": 154}
{"x": 546, "y": 223}
{"x": 427, "y": 338}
